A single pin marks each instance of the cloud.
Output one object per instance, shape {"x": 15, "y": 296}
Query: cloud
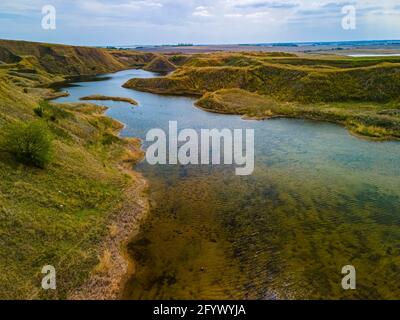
{"x": 233, "y": 15}
{"x": 112, "y": 8}
{"x": 155, "y": 21}
{"x": 202, "y": 12}
{"x": 266, "y": 4}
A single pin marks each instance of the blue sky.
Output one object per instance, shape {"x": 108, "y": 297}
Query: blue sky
{"x": 124, "y": 22}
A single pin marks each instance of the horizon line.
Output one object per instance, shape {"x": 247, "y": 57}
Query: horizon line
{"x": 181, "y": 44}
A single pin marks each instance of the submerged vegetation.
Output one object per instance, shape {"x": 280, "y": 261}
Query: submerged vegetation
{"x": 361, "y": 93}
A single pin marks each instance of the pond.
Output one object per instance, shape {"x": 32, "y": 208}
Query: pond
{"x": 319, "y": 199}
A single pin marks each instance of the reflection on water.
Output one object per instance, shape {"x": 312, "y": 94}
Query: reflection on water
{"x": 319, "y": 199}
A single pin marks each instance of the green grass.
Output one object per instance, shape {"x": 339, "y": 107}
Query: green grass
{"x": 368, "y": 119}
{"x": 29, "y": 143}
{"x": 58, "y": 215}
{"x": 297, "y": 86}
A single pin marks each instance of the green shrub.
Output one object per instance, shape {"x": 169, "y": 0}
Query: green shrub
{"x": 109, "y": 139}
{"x": 39, "y": 110}
{"x": 51, "y": 112}
{"x": 29, "y": 143}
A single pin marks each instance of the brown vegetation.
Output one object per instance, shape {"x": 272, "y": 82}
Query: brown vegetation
{"x": 104, "y": 98}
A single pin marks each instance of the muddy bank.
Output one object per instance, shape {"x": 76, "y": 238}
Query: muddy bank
{"x": 107, "y": 279}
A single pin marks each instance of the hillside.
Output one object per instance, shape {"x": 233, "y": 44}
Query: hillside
{"x": 74, "y": 60}
{"x": 314, "y": 81}
{"x": 132, "y": 59}
{"x": 61, "y": 214}
{"x": 367, "y": 119}
{"x": 160, "y": 64}
{"x": 290, "y": 79}
{"x": 65, "y": 60}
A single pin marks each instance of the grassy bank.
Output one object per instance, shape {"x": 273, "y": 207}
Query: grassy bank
{"x": 361, "y": 93}
{"x": 373, "y": 120}
{"x": 61, "y": 214}
{"x": 105, "y": 98}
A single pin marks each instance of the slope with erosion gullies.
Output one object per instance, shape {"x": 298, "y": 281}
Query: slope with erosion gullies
{"x": 76, "y": 61}
{"x": 160, "y": 64}
{"x": 34, "y": 64}
{"x": 361, "y": 93}
{"x": 72, "y": 60}
{"x": 195, "y": 81}
{"x": 6, "y": 56}
{"x": 151, "y": 61}
{"x": 60, "y": 214}
{"x": 65, "y": 60}
{"x": 133, "y": 59}
{"x": 377, "y": 81}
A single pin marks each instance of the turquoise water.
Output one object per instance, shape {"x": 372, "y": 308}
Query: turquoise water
{"x": 319, "y": 199}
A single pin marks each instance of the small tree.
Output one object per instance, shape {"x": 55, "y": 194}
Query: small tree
{"x": 29, "y": 143}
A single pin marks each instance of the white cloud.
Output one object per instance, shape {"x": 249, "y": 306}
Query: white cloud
{"x": 112, "y": 8}
{"x": 202, "y": 11}
{"x": 233, "y": 15}
{"x": 154, "y": 21}
{"x": 258, "y": 14}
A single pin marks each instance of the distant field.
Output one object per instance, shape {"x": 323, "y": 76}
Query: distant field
{"x": 341, "y": 49}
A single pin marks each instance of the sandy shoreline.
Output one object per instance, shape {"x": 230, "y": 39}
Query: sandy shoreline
{"x": 106, "y": 281}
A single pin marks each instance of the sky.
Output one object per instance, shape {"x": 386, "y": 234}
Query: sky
{"x": 151, "y": 22}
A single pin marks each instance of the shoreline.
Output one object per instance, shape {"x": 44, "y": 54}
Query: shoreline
{"x": 106, "y": 280}
{"x": 108, "y": 284}
{"x": 246, "y": 117}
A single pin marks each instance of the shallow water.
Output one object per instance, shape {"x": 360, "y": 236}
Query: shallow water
{"x": 319, "y": 199}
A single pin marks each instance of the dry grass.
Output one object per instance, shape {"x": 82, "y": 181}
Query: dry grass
{"x": 362, "y": 119}
{"x": 58, "y": 215}
{"x": 104, "y": 98}
{"x": 260, "y": 85}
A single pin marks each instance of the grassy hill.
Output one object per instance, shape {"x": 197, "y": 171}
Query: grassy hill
{"x": 160, "y": 64}
{"x": 133, "y": 59}
{"x": 65, "y": 60}
{"x": 59, "y": 215}
{"x": 367, "y": 88}
{"x": 379, "y": 121}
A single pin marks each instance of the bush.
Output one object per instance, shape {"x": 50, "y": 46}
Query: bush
{"x": 51, "y": 112}
{"x": 39, "y": 111}
{"x": 29, "y": 143}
